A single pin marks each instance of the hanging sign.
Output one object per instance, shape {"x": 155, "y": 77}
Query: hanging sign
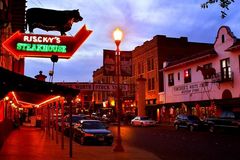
{"x": 41, "y": 45}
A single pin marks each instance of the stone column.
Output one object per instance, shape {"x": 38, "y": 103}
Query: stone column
{"x": 140, "y": 95}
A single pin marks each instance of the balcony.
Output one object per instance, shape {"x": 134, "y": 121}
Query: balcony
{"x": 220, "y": 78}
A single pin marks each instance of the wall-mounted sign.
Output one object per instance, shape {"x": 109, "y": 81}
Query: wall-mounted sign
{"x": 40, "y": 45}
{"x": 198, "y": 87}
{"x": 95, "y": 86}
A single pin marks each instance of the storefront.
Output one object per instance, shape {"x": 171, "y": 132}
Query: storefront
{"x": 18, "y": 92}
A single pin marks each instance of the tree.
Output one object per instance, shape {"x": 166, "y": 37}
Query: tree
{"x": 223, "y": 4}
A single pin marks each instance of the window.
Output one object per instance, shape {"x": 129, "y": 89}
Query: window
{"x": 140, "y": 68}
{"x": 187, "y": 76}
{"x": 206, "y": 67}
{"x": 178, "y": 75}
{"x": 226, "y": 73}
{"x": 151, "y": 84}
{"x": 170, "y": 79}
{"x": 223, "y": 38}
{"x": 150, "y": 64}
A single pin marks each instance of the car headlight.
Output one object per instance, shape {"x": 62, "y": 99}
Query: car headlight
{"x": 109, "y": 134}
{"x": 88, "y": 135}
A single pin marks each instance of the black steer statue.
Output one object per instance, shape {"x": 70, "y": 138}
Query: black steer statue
{"x": 51, "y": 20}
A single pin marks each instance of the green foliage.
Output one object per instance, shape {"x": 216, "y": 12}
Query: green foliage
{"x": 222, "y": 3}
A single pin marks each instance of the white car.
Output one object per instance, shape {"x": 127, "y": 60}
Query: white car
{"x": 143, "y": 121}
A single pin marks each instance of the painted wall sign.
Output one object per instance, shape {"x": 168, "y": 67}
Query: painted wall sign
{"x": 39, "y": 45}
{"x": 198, "y": 87}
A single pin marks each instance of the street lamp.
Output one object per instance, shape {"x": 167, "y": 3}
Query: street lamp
{"x": 117, "y": 35}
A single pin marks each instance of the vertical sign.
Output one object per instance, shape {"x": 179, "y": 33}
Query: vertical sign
{"x": 126, "y": 63}
{"x": 109, "y": 63}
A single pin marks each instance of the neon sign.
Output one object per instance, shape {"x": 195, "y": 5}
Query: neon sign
{"x": 41, "y": 47}
{"x": 37, "y": 45}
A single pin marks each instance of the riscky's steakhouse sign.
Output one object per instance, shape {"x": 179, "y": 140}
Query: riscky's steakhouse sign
{"x": 39, "y": 45}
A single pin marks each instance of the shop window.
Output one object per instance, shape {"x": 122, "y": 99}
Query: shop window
{"x": 187, "y": 76}
{"x": 170, "y": 79}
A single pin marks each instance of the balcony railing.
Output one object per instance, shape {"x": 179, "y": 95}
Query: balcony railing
{"x": 220, "y": 78}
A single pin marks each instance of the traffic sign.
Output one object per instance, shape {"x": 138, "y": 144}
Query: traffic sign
{"x": 44, "y": 46}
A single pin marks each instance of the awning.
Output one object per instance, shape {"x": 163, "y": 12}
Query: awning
{"x": 31, "y": 90}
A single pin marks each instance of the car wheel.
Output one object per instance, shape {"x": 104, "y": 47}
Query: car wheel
{"x": 176, "y": 127}
{"x": 211, "y": 128}
{"x": 109, "y": 143}
{"x": 82, "y": 141}
{"x": 191, "y": 128}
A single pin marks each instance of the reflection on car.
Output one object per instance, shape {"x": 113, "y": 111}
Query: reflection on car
{"x": 190, "y": 122}
{"x": 92, "y": 131}
{"x": 75, "y": 119}
{"x": 143, "y": 121}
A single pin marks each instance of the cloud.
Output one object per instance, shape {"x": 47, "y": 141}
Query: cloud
{"x": 140, "y": 20}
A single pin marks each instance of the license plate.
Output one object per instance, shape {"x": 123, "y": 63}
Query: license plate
{"x": 101, "y": 138}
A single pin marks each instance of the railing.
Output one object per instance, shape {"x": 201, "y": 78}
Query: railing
{"x": 220, "y": 78}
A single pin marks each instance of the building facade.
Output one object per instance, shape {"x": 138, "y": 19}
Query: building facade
{"x": 12, "y": 19}
{"x": 148, "y": 61}
{"x": 205, "y": 83}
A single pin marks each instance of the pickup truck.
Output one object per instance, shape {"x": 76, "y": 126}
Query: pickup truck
{"x": 227, "y": 120}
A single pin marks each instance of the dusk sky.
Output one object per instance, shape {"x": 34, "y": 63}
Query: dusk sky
{"x": 140, "y": 21}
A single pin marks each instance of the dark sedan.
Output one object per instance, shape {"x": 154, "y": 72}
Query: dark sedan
{"x": 190, "y": 122}
{"x": 92, "y": 131}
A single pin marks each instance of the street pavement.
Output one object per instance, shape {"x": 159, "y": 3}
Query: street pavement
{"x": 29, "y": 143}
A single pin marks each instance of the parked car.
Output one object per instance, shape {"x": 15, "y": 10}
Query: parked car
{"x": 92, "y": 131}
{"x": 227, "y": 120}
{"x": 75, "y": 119}
{"x": 190, "y": 122}
{"x": 143, "y": 121}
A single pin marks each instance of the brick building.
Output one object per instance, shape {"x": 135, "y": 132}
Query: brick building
{"x": 148, "y": 61}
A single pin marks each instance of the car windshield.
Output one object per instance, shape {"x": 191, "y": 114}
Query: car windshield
{"x": 145, "y": 118}
{"x": 93, "y": 125}
{"x": 76, "y": 118}
{"x": 193, "y": 118}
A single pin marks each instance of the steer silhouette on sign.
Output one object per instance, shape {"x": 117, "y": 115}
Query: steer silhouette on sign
{"x": 207, "y": 73}
{"x": 51, "y": 20}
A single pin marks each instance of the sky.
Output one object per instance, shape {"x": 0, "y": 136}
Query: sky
{"x": 140, "y": 21}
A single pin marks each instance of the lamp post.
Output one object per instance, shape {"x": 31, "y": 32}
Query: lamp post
{"x": 117, "y": 35}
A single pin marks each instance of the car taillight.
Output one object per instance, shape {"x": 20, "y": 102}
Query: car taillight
{"x": 88, "y": 135}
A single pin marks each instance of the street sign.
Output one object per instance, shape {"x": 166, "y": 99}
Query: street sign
{"x": 44, "y": 46}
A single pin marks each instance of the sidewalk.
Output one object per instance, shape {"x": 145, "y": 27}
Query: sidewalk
{"x": 28, "y": 143}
